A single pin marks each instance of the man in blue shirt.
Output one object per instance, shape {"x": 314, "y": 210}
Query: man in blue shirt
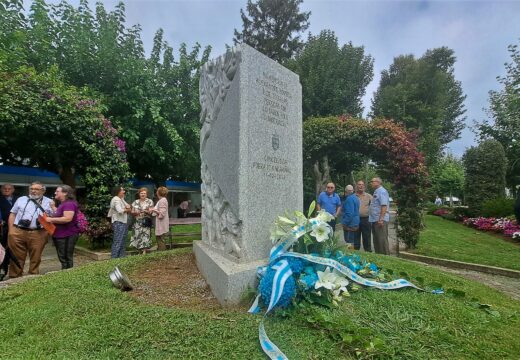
{"x": 379, "y": 216}
{"x": 330, "y": 202}
{"x": 350, "y": 217}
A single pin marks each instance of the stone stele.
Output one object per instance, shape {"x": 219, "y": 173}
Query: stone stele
{"x": 251, "y": 153}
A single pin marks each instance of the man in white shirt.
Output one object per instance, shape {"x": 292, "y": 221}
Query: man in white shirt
{"x": 26, "y": 236}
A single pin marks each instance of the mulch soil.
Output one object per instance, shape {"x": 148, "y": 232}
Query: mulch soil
{"x": 173, "y": 282}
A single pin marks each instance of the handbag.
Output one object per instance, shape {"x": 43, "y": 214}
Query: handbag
{"x": 146, "y": 221}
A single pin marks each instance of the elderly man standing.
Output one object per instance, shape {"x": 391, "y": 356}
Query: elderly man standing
{"x": 330, "y": 202}
{"x": 350, "y": 217}
{"x": 364, "y": 229}
{"x": 25, "y": 233}
{"x": 379, "y": 216}
{"x": 7, "y": 201}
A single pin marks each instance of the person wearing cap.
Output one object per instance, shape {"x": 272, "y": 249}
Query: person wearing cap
{"x": 330, "y": 202}
{"x": 364, "y": 230}
{"x": 350, "y": 217}
{"x": 379, "y": 216}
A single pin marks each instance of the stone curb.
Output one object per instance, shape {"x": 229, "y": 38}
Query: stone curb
{"x": 461, "y": 265}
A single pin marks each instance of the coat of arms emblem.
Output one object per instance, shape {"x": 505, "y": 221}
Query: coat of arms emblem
{"x": 276, "y": 142}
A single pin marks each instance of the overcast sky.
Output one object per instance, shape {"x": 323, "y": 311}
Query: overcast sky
{"x": 478, "y": 31}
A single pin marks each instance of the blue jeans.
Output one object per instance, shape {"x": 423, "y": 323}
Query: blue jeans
{"x": 350, "y": 238}
{"x": 119, "y": 242}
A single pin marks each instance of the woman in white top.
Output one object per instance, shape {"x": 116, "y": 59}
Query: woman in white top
{"x": 119, "y": 210}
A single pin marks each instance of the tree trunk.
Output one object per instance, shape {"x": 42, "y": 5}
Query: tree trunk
{"x": 67, "y": 176}
{"x": 321, "y": 179}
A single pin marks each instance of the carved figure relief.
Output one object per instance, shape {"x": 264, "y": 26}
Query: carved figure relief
{"x": 221, "y": 228}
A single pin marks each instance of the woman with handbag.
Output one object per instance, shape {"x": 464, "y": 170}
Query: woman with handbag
{"x": 162, "y": 220}
{"x": 67, "y": 231}
{"x": 143, "y": 222}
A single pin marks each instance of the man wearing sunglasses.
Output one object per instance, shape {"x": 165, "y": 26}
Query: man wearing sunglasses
{"x": 330, "y": 202}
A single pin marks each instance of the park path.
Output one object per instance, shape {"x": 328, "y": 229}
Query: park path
{"x": 50, "y": 263}
{"x": 507, "y": 285}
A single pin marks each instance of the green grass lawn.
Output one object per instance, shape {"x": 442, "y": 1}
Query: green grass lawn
{"x": 450, "y": 240}
{"x": 77, "y": 314}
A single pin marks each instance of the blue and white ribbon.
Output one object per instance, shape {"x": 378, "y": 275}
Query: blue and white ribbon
{"x": 396, "y": 284}
{"x": 283, "y": 272}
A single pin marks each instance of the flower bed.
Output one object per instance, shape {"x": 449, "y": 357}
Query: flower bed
{"x": 502, "y": 226}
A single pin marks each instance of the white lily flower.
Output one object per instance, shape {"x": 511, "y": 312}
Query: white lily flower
{"x": 321, "y": 231}
{"x": 324, "y": 216}
{"x": 326, "y": 279}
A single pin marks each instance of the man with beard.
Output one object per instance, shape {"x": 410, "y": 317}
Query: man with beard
{"x": 26, "y": 236}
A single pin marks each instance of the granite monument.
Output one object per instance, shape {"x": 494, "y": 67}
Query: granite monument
{"x": 251, "y": 154}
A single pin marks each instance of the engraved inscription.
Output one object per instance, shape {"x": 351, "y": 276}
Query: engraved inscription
{"x": 273, "y": 167}
{"x": 275, "y": 99}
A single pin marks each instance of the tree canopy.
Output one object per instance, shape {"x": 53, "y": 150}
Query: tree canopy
{"x": 485, "y": 173}
{"x": 447, "y": 177}
{"x": 59, "y": 127}
{"x": 505, "y": 112}
{"x": 424, "y": 94}
{"x": 152, "y": 101}
{"x": 273, "y": 27}
{"x": 333, "y": 77}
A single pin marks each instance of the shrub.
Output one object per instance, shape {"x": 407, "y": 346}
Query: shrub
{"x": 461, "y": 212}
{"x": 498, "y": 207}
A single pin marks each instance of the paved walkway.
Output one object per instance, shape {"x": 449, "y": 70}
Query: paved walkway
{"x": 49, "y": 263}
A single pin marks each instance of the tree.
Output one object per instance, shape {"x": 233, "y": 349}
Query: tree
{"x": 447, "y": 178}
{"x": 388, "y": 144}
{"x": 153, "y": 102}
{"x": 505, "y": 112}
{"x": 423, "y": 94}
{"x": 273, "y": 27}
{"x": 485, "y": 174}
{"x": 333, "y": 78}
{"x": 47, "y": 123}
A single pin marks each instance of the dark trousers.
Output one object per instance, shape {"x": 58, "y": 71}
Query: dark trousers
{"x": 380, "y": 234}
{"x": 332, "y": 224}
{"x": 364, "y": 232}
{"x": 5, "y": 233}
{"x": 349, "y": 238}
{"x": 65, "y": 249}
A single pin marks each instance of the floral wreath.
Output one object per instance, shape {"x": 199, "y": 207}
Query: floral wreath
{"x": 305, "y": 265}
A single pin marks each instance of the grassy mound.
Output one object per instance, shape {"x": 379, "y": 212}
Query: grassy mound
{"x": 450, "y": 240}
{"x": 78, "y": 315}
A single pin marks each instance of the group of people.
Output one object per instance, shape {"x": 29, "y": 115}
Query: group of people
{"x": 22, "y": 230}
{"x": 26, "y": 220}
{"x": 363, "y": 216}
{"x": 144, "y": 211}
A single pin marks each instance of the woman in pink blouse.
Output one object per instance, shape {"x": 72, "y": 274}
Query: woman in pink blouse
{"x": 162, "y": 220}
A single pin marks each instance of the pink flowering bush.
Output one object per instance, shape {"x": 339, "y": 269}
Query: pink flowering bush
{"x": 441, "y": 212}
{"x": 503, "y": 226}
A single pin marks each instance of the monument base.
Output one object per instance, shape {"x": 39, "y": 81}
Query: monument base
{"x": 227, "y": 279}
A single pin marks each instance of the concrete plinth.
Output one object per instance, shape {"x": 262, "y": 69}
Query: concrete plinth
{"x": 227, "y": 279}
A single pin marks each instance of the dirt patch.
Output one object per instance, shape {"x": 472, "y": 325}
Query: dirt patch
{"x": 175, "y": 282}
